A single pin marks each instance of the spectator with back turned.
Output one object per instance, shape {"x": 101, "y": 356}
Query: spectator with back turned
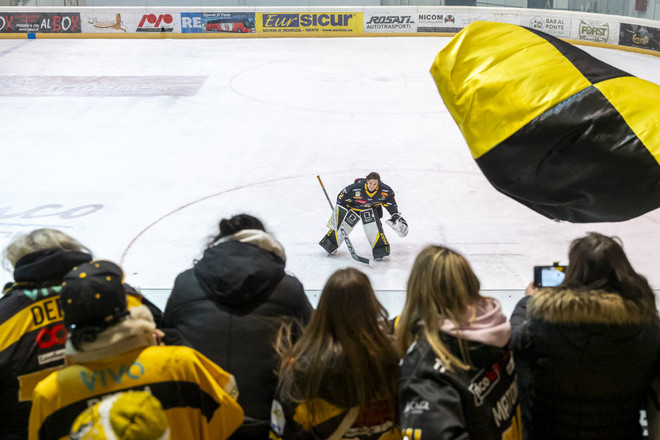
{"x": 230, "y": 305}
{"x": 586, "y": 350}
{"x": 339, "y": 380}
{"x": 457, "y": 373}
{"x": 32, "y": 333}
{"x": 111, "y": 349}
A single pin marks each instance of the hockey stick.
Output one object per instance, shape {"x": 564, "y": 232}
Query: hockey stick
{"x": 349, "y": 245}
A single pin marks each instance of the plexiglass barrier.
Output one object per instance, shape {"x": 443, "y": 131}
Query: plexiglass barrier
{"x": 647, "y": 9}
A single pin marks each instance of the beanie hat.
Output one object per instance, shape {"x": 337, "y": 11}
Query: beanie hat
{"x": 130, "y": 415}
{"x": 93, "y": 295}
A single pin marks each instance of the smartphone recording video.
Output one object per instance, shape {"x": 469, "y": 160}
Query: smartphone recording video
{"x": 549, "y": 276}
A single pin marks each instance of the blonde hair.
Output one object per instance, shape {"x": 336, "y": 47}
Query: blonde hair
{"x": 441, "y": 286}
{"x": 38, "y": 240}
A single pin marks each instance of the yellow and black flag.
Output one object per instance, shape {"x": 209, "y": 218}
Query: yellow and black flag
{"x": 552, "y": 127}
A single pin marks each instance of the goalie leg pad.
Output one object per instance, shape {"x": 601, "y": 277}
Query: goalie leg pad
{"x": 337, "y": 217}
{"x": 373, "y": 229}
{"x": 342, "y": 217}
{"x": 381, "y": 248}
{"x": 331, "y": 241}
{"x": 348, "y": 224}
{"x": 350, "y": 220}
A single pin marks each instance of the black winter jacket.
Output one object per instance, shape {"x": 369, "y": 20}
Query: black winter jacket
{"x": 230, "y": 306}
{"x": 584, "y": 362}
{"x": 479, "y": 404}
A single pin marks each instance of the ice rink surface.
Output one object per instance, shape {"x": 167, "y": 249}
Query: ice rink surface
{"x": 138, "y": 147}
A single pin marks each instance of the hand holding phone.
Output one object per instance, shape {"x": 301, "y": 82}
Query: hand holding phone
{"x": 531, "y": 290}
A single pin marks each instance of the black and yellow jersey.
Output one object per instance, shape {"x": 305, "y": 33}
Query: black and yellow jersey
{"x": 322, "y": 419}
{"x": 32, "y": 337}
{"x": 357, "y": 197}
{"x": 198, "y": 397}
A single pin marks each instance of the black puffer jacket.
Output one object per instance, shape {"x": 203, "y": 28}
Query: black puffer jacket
{"x": 584, "y": 361}
{"x": 230, "y": 306}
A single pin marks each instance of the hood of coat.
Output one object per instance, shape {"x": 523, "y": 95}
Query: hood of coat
{"x": 566, "y": 306}
{"x": 484, "y": 322}
{"x": 48, "y": 265}
{"x": 480, "y": 355}
{"x": 241, "y": 269}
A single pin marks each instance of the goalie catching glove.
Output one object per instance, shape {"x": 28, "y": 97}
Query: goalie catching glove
{"x": 399, "y": 225}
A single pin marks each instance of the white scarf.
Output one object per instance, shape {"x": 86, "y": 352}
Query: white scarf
{"x": 258, "y": 238}
{"x": 136, "y": 330}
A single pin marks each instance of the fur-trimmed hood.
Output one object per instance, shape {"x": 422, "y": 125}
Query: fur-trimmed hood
{"x": 586, "y": 352}
{"x": 567, "y": 306}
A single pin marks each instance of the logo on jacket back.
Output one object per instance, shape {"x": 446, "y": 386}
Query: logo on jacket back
{"x": 415, "y": 407}
{"x": 106, "y": 376}
{"x": 483, "y": 383}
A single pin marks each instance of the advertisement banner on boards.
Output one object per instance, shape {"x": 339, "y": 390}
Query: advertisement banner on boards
{"x": 385, "y": 21}
{"x": 105, "y": 23}
{"x": 642, "y": 37}
{"x": 309, "y": 22}
{"x": 236, "y": 22}
{"x": 122, "y": 22}
{"x": 191, "y": 22}
{"x": 212, "y": 22}
{"x": 556, "y": 26}
{"x": 158, "y": 22}
{"x": 482, "y": 14}
{"x": 598, "y": 31}
{"x": 440, "y": 20}
{"x": 40, "y": 22}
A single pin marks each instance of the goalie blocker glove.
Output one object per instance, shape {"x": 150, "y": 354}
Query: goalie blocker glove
{"x": 398, "y": 223}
